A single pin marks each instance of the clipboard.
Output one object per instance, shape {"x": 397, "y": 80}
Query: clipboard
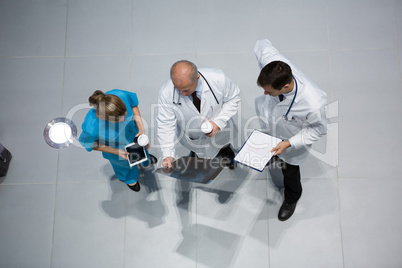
{"x": 256, "y": 151}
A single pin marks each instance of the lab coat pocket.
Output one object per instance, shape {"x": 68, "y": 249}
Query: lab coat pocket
{"x": 213, "y": 111}
{"x": 293, "y": 124}
{"x": 193, "y": 143}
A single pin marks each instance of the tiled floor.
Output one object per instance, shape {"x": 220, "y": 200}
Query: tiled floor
{"x": 64, "y": 208}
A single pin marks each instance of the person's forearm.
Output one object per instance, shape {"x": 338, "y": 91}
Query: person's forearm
{"x": 166, "y": 124}
{"x": 138, "y": 120}
{"x": 166, "y": 138}
{"x": 104, "y": 148}
{"x": 229, "y": 109}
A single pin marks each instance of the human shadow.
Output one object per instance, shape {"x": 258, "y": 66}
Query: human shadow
{"x": 208, "y": 245}
{"x": 114, "y": 207}
{"x": 226, "y": 188}
{"x": 270, "y": 208}
{"x": 202, "y": 243}
{"x": 146, "y": 205}
{"x": 203, "y": 172}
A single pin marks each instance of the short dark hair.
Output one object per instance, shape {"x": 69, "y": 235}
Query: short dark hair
{"x": 276, "y": 73}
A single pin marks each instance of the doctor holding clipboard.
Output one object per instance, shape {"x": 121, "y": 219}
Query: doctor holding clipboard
{"x": 292, "y": 109}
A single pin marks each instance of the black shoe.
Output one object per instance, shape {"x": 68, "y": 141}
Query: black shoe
{"x": 286, "y": 211}
{"x": 226, "y": 151}
{"x": 232, "y": 165}
{"x": 154, "y": 160}
{"x": 136, "y": 187}
{"x": 227, "y": 155}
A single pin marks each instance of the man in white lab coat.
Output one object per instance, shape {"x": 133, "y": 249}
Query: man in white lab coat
{"x": 179, "y": 118}
{"x": 292, "y": 109}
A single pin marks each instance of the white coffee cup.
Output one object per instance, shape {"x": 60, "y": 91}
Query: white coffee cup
{"x": 142, "y": 140}
{"x": 206, "y": 127}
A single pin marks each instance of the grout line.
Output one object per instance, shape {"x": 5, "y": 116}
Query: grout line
{"x": 196, "y": 33}
{"x": 252, "y": 179}
{"x": 269, "y": 248}
{"x": 125, "y": 227}
{"x": 97, "y": 55}
{"x": 26, "y": 183}
{"x": 397, "y": 42}
{"x": 129, "y": 88}
{"x": 65, "y": 56}
{"x": 131, "y": 46}
{"x": 55, "y": 205}
{"x": 30, "y": 57}
{"x": 197, "y": 2}
{"x": 327, "y": 19}
{"x": 209, "y": 53}
{"x": 261, "y": 19}
{"x": 58, "y": 153}
{"x": 51, "y": 183}
{"x": 196, "y": 227}
{"x": 340, "y": 220}
{"x": 332, "y": 96}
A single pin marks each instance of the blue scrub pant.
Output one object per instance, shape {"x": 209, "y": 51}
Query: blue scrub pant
{"x": 122, "y": 168}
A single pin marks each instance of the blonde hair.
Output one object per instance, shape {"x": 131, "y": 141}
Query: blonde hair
{"x": 108, "y": 106}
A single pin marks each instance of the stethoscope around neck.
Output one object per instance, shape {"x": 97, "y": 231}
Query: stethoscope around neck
{"x": 285, "y": 117}
{"x": 178, "y": 99}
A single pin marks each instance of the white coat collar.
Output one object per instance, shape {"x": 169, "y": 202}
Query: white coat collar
{"x": 289, "y": 96}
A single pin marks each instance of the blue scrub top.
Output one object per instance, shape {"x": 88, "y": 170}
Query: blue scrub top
{"x": 115, "y": 135}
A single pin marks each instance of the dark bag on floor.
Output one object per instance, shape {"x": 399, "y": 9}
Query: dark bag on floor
{"x": 5, "y": 158}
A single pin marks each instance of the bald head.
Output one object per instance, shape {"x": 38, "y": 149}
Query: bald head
{"x": 183, "y": 73}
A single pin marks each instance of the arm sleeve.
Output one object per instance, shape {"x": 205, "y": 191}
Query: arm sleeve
{"x": 132, "y": 99}
{"x": 316, "y": 127}
{"x": 87, "y": 141}
{"x": 259, "y": 101}
{"x": 88, "y": 135}
{"x": 231, "y": 101}
{"x": 265, "y": 53}
{"x": 166, "y": 122}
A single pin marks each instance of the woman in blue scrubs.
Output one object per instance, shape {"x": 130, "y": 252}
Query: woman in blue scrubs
{"x": 112, "y": 123}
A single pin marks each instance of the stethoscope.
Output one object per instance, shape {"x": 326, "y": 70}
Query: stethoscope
{"x": 178, "y": 99}
{"x": 285, "y": 117}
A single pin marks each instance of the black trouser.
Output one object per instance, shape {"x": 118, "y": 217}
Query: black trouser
{"x": 291, "y": 180}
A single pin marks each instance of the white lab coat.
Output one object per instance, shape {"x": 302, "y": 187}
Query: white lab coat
{"x": 307, "y": 121}
{"x": 182, "y": 122}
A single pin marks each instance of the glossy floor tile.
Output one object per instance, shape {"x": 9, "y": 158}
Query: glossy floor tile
{"x": 27, "y": 218}
{"x": 362, "y": 24}
{"x": 161, "y": 27}
{"x": 295, "y": 25}
{"x": 31, "y": 90}
{"x": 160, "y": 224}
{"x": 86, "y": 230}
{"x": 312, "y": 236}
{"x": 66, "y": 208}
{"x": 240, "y": 23}
{"x": 33, "y": 28}
{"x": 371, "y": 236}
{"x": 98, "y": 27}
{"x": 378, "y": 69}
{"x": 220, "y": 240}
